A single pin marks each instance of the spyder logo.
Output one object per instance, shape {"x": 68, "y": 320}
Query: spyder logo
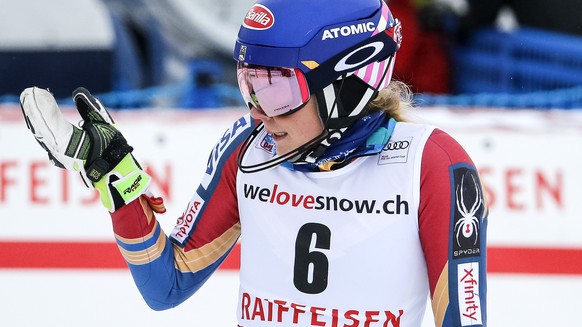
{"x": 467, "y": 224}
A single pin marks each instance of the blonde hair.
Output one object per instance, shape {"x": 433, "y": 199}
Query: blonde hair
{"x": 395, "y": 100}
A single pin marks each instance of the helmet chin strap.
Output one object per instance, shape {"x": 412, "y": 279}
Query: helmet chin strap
{"x": 292, "y": 155}
{"x": 339, "y": 108}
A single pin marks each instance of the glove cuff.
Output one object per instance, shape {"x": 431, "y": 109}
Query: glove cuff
{"x": 123, "y": 184}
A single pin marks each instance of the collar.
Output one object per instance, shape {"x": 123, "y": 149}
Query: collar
{"x": 367, "y": 136}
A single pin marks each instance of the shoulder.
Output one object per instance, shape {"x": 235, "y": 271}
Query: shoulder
{"x": 226, "y": 149}
{"x": 442, "y": 147}
{"x": 237, "y": 132}
{"x": 232, "y": 138}
{"x": 434, "y": 142}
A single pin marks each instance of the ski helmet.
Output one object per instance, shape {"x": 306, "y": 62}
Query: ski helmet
{"x": 343, "y": 50}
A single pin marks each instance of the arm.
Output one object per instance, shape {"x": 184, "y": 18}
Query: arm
{"x": 168, "y": 270}
{"x": 452, "y": 222}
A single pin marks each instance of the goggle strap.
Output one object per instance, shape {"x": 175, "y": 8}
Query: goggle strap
{"x": 326, "y": 101}
{"x": 303, "y": 87}
{"x": 275, "y": 160}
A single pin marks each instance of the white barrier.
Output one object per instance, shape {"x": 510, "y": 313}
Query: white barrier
{"x": 528, "y": 162}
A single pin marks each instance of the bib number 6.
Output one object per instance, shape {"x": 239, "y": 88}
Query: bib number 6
{"x": 311, "y": 268}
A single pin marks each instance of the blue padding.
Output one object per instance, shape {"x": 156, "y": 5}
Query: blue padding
{"x": 569, "y": 98}
{"x": 526, "y": 60}
{"x": 127, "y": 70}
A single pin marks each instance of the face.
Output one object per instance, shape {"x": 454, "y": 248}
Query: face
{"x": 292, "y": 131}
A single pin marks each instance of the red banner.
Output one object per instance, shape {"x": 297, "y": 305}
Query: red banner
{"x": 105, "y": 255}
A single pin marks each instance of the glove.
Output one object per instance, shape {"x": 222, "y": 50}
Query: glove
{"x": 97, "y": 150}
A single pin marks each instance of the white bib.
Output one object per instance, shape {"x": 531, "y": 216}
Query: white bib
{"x": 338, "y": 248}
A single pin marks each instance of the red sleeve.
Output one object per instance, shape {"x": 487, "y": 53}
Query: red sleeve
{"x": 168, "y": 270}
{"x": 221, "y": 210}
{"x": 441, "y": 151}
{"x": 452, "y": 226}
{"x": 137, "y": 218}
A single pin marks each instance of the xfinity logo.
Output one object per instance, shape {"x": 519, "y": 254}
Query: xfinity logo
{"x": 468, "y": 292}
{"x": 336, "y": 32}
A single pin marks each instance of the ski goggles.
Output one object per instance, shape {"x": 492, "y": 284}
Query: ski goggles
{"x": 274, "y": 90}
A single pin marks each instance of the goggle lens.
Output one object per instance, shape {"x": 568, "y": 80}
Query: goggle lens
{"x": 274, "y": 90}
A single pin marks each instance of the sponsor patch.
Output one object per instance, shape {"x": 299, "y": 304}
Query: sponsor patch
{"x": 336, "y": 32}
{"x": 266, "y": 143}
{"x": 223, "y": 146}
{"x": 467, "y": 212}
{"x": 359, "y": 56}
{"x": 186, "y": 222}
{"x": 397, "y": 36}
{"x": 468, "y": 292}
{"x": 242, "y": 53}
{"x": 395, "y": 151}
{"x": 259, "y": 17}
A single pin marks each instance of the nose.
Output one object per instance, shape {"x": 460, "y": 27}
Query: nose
{"x": 258, "y": 113}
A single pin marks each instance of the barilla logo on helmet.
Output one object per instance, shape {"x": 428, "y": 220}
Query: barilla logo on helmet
{"x": 259, "y": 17}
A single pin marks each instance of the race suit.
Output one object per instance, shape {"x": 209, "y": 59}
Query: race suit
{"x": 363, "y": 245}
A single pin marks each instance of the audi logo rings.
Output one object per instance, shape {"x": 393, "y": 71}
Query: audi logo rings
{"x": 397, "y": 145}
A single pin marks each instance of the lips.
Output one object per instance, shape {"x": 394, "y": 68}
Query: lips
{"x": 278, "y": 135}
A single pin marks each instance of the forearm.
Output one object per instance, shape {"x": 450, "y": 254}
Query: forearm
{"x": 166, "y": 272}
{"x": 149, "y": 255}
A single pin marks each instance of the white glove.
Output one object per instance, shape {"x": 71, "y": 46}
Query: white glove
{"x": 98, "y": 151}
